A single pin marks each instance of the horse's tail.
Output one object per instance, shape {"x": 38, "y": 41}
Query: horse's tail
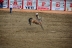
{"x": 29, "y": 20}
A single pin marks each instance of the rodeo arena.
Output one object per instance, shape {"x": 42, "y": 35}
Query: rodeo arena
{"x": 35, "y": 23}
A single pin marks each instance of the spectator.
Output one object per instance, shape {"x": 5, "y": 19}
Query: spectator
{"x": 11, "y": 6}
{"x": 1, "y": 3}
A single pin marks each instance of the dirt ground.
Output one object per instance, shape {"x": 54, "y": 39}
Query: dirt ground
{"x": 57, "y": 12}
{"x": 15, "y": 32}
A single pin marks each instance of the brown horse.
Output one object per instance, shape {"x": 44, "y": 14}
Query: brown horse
{"x": 31, "y": 20}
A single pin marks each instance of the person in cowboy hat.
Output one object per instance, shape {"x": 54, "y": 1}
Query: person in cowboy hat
{"x": 11, "y": 6}
{"x": 38, "y": 17}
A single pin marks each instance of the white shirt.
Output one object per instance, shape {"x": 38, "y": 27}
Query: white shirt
{"x": 11, "y": 6}
{"x": 39, "y": 17}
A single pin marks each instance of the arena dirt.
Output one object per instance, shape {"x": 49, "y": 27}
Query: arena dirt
{"x": 15, "y": 31}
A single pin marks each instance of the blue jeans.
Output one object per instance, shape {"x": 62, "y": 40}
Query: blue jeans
{"x": 10, "y": 10}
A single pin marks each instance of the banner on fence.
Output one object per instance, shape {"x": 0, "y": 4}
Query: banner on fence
{"x": 5, "y": 4}
{"x": 16, "y": 3}
{"x": 69, "y": 5}
{"x": 29, "y": 4}
{"x": 43, "y": 5}
{"x": 58, "y": 5}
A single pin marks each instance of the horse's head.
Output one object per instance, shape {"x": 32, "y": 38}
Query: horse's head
{"x": 30, "y": 19}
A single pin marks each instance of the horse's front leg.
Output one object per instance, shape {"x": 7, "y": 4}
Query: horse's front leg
{"x": 41, "y": 25}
